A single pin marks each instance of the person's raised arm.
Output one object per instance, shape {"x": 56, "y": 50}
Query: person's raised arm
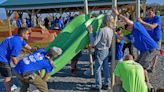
{"x": 150, "y": 26}
{"x": 122, "y": 37}
{"x": 28, "y": 47}
{"x": 128, "y": 21}
{"x": 32, "y": 49}
{"x": 96, "y": 39}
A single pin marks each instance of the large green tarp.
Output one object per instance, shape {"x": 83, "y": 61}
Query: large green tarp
{"x": 73, "y": 39}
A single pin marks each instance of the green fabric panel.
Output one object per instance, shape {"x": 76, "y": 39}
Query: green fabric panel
{"x": 73, "y": 41}
{"x": 65, "y": 34}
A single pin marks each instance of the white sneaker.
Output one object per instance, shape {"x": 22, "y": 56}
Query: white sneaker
{"x": 13, "y": 87}
{"x": 87, "y": 73}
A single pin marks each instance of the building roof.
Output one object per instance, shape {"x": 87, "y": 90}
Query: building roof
{"x": 47, "y": 4}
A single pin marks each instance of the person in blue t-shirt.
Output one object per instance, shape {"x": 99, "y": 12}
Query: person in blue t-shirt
{"x": 61, "y": 23}
{"x": 10, "y": 48}
{"x": 19, "y": 23}
{"x": 153, "y": 24}
{"x": 29, "y": 22}
{"x": 46, "y": 22}
{"x": 140, "y": 38}
{"x": 119, "y": 45}
{"x": 38, "y": 60}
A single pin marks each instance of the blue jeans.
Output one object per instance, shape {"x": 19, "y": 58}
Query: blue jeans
{"x": 101, "y": 60}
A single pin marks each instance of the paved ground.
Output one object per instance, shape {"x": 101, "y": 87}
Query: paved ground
{"x": 63, "y": 81}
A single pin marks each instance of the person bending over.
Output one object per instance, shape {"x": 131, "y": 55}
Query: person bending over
{"x": 25, "y": 69}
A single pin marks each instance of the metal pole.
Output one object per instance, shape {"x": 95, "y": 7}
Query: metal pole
{"x": 8, "y": 21}
{"x": 114, "y": 5}
{"x": 138, "y": 16}
{"x": 144, "y": 9}
{"x": 137, "y": 9}
{"x": 89, "y": 46}
{"x": 86, "y": 6}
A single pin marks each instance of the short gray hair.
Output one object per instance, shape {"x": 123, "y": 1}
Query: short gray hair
{"x": 108, "y": 21}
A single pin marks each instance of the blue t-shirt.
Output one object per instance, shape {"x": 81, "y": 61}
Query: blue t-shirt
{"x": 71, "y": 18}
{"x": 11, "y": 46}
{"x": 34, "y": 62}
{"x": 155, "y": 33}
{"x": 140, "y": 38}
{"x": 119, "y": 47}
{"x": 19, "y": 23}
{"x": 29, "y": 22}
{"x": 61, "y": 24}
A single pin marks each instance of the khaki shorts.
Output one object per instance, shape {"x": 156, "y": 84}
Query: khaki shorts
{"x": 159, "y": 43}
{"x": 147, "y": 57}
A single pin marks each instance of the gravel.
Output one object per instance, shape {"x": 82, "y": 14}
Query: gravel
{"x": 157, "y": 77}
{"x": 64, "y": 81}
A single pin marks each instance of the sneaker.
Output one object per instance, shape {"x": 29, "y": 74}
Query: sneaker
{"x": 105, "y": 87}
{"x": 87, "y": 73}
{"x": 73, "y": 71}
{"x": 94, "y": 89}
{"x": 14, "y": 87}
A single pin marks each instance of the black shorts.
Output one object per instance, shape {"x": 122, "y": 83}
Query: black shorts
{"x": 5, "y": 69}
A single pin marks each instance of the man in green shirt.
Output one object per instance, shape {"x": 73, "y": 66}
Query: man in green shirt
{"x": 129, "y": 76}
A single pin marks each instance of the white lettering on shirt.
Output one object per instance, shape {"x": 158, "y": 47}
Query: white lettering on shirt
{"x": 26, "y": 61}
{"x": 33, "y": 58}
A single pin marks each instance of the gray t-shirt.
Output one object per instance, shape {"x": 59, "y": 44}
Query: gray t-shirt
{"x": 103, "y": 38}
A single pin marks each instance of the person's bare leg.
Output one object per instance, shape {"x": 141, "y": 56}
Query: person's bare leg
{"x": 7, "y": 84}
{"x": 146, "y": 76}
{"x": 155, "y": 62}
{"x": 73, "y": 66}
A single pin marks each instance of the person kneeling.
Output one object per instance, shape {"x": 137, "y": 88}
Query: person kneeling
{"x": 38, "y": 60}
{"x": 129, "y": 76}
